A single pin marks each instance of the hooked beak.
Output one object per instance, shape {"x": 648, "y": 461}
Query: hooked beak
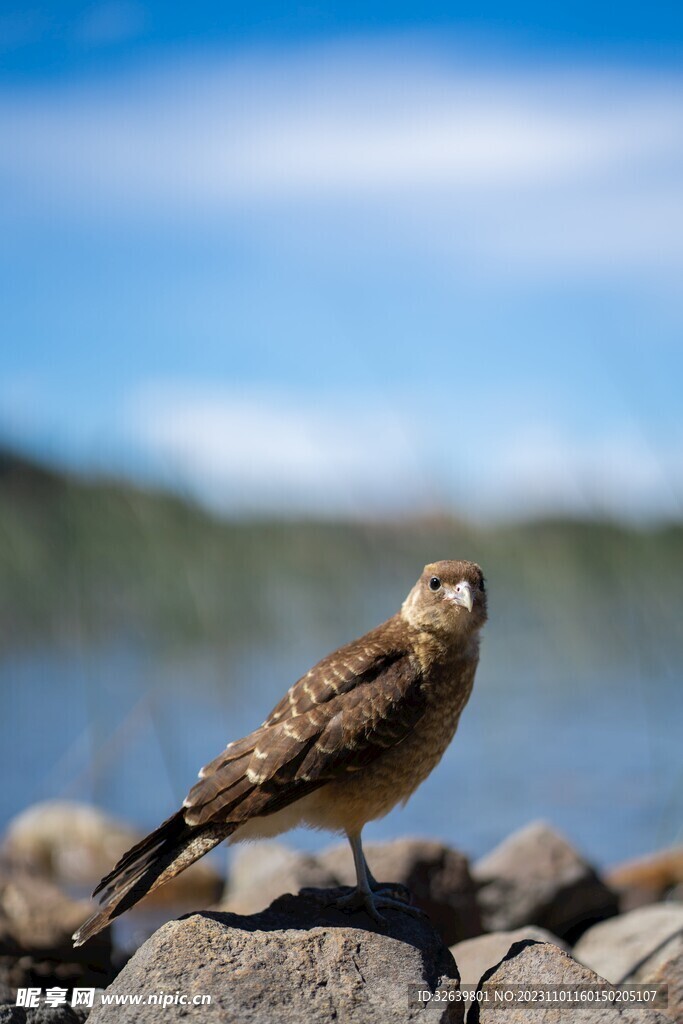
{"x": 461, "y": 595}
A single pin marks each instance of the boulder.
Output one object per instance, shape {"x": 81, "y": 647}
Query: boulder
{"x": 437, "y": 876}
{"x": 668, "y": 969}
{"x": 645, "y": 945}
{"x": 36, "y": 924}
{"x": 647, "y": 879}
{"x": 44, "y": 1014}
{"x": 530, "y": 964}
{"x": 76, "y": 844}
{"x": 476, "y": 956}
{"x": 12, "y": 1015}
{"x": 536, "y": 877}
{"x": 298, "y": 960}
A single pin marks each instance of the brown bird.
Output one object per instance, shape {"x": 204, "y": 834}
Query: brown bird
{"x": 349, "y": 740}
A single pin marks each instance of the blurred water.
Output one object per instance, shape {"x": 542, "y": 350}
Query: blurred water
{"x": 600, "y": 758}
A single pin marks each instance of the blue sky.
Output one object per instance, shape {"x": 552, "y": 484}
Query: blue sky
{"x": 348, "y": 259}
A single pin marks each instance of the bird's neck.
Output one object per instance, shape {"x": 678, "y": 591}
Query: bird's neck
{"x": 433, "y": 644}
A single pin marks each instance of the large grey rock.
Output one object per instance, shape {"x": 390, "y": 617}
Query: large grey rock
{"x": 536, "y": 877}
{"x": 300, "y": 960}
{"x": 36, "y": 924}
{"x": 530, "y": 964}
{"x": 476, "y": 956}
{"x": 634, "y": 946}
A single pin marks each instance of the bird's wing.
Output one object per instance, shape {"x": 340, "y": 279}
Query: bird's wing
{"x": 352, "y": 665}
{"x": 355, "y": 718}
{"x": 355, "y": 663}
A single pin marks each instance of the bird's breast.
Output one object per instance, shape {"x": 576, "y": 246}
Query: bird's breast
{"x": 350, "y": 802}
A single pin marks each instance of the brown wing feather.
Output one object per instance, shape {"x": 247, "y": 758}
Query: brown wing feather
{"x": 366, "y": 722}
{"x": 357, "y": 662}
{"x": 341, "y": 671}
{"x": 314, "y": 740}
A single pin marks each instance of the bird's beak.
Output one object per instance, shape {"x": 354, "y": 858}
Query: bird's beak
{"x": 462, "y": 595}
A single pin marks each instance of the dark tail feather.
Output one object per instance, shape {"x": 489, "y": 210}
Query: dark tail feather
{"x": 160, "y": 856}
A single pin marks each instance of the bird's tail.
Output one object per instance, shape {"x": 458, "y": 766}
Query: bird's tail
{"x": 157, "y": 858}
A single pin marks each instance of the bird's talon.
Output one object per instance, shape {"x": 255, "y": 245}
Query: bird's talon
{"x": 370, "y": 903}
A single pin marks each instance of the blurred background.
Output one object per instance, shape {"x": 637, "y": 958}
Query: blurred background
{"x": 296, "y": 298}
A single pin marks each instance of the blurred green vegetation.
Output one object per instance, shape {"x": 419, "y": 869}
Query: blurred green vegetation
{"x": 95, "y": 561}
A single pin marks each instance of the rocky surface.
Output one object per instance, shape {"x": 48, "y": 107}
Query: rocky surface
{"x": 437, "y": 877}
{"x": 41, "y": 1015}
{"x": 529, "y": 964}
{"x": 668, "y": 969}
{"x": 537, "y": 877}
{"x": 645, "y": 945}
{"x": 476, "y": 956}
{"x": 36, "y": 924}
{"x": 298, "y": 960}
{"x": 294, "y": 957}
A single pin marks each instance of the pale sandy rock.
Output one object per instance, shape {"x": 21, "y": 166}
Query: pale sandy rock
{"x": 476, "y": 956}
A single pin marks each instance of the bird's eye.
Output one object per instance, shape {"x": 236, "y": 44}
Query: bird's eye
{"x": 434, "y": 583}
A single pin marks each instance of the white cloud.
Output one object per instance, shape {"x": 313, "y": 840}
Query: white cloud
{"x": 351, "y": 454}
{"x": 544, "y": 172}
{"x": 543, "y": 468}
{"x": 260, "y": 450}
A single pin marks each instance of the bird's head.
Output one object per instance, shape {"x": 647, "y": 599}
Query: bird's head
{"x": 449, "y": 597}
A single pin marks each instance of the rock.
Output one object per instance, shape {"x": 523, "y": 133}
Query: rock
{"x": 67, "y": 841}
{"x": 44, "y": 1014}
{"x": 299, "y": 960}
{"x": 647, "y": 879}
{"x": 635, "y": 945}
{"x": 536, "y": 877}
{"x": 12, "y": 1015}
{"x": 476, "y": 956}
{"x": 264, "y": 871}
{"x": 437, "y": 876}
{"x": 77, "y": 844}
{"x": 36, "y": 924}
{"x": 669, "y": 970}
{"x": 530, "y": 964}
{"x": 7, "y": 993}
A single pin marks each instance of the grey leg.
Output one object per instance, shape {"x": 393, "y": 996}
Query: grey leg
{"x": 363, "y": 897}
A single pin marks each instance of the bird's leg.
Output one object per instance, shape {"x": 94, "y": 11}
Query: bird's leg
{"x": 363, "y": 897}
{"x": 372, "y": 881}
{"x": 401, "y": 892}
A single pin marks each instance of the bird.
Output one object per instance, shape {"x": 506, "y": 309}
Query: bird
{"x": 349, "y": 740}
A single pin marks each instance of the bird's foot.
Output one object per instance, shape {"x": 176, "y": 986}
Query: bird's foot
{"x": 373, "y": 901}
